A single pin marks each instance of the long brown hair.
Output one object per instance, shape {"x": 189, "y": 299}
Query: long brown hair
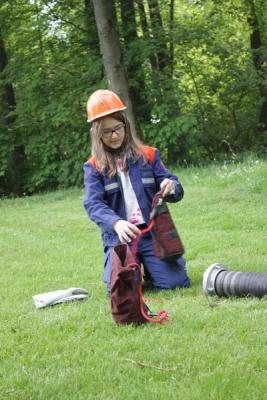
{"x": 106, "y": 160}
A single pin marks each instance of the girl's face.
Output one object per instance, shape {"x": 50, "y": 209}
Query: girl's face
{"x": 113, "y": 132}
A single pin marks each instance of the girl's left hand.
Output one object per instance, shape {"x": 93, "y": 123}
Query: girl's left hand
{"x": 169, "y": 187}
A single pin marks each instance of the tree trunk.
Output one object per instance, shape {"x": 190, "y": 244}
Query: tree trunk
{"x": 14, "y": 176}
{"x": 171, "y": 36}
{"x": 92, "y": 36}
{"x": 258, "y": 60}
{"x": 134, "y": 66}
{"x": 145, "y": 29}
{"x": 8, "y": 93}
{"x": 106, "y": 22}
{"x": 159, "y": 36}
{"x": 90, "y": 26}
{"x": 39, "y": 30}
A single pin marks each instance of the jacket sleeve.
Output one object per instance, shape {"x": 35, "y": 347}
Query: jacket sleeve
{"x": 161, "y": 173}
{"x": 94, "y": 202}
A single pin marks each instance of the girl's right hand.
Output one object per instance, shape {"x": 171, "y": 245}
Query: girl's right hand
{"x": 126, "y": 231}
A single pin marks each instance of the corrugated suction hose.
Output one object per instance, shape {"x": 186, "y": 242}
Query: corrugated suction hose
{"x": 218, "y": 280}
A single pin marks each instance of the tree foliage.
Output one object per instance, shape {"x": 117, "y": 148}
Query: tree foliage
{"x": 197, "y": 82}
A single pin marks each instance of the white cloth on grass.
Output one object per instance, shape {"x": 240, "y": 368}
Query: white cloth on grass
{"x": 59, "y": 296}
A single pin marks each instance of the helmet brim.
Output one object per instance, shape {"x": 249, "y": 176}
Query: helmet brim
{"x": 104, "y": 114}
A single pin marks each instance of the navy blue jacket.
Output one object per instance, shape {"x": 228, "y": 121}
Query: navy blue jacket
{"x": 104, "y": 201}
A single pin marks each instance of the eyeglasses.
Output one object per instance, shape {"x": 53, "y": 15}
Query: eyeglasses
{"x": 119, "y": 130}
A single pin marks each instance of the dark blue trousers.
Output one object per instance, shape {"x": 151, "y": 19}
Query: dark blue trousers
{"x": 162, "y": 274}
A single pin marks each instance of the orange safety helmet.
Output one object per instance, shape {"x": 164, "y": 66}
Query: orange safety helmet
{"x": 103, "y": 102}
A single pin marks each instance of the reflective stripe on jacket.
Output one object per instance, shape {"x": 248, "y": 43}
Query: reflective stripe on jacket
{"x": 104, "y": 201}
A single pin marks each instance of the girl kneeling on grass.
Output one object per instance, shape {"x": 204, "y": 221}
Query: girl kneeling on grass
{"x": 121, "y": 178}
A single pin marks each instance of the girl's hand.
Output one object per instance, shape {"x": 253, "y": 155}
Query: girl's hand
{"x": 126, "y": 231}
{"x": 169, "y": 187}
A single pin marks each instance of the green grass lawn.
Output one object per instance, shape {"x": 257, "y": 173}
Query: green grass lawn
{"x": 213, "y": 349}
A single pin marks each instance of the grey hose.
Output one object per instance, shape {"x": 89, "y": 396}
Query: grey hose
{"x": 218, "y": 280}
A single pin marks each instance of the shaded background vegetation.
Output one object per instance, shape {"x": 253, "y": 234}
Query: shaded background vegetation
{"x": 196, "y": 72}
